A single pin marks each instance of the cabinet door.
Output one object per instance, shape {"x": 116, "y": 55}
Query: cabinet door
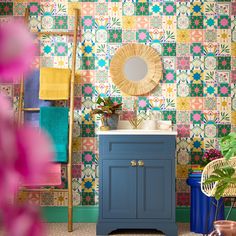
{"x": 119, "y": 189}
{"x": 155, "y": 189}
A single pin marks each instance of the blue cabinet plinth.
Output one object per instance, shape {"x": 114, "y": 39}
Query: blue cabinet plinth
{"x": 203, "y": 208}
{"x": 137, "y": 183}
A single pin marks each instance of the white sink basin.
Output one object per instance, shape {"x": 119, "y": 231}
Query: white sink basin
{"x": 137, "y": 132}
{"x": 125, "y": 128}
{"x": 146, "y": 125}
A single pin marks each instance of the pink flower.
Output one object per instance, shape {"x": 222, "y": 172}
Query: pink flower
{"x": 17, "y": 50}
{"x": 32, "y": 161}
{"x": 22, "y": 161}
{"x": 23, "y": 220}
{"x": 6, "y": 111}
{"x": 210, "y": 155}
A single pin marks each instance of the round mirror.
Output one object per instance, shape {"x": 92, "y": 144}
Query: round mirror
{"x": 136, "y": 69}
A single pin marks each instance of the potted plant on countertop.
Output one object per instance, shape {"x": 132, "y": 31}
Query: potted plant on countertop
{"x": 224, "y": 177}
{"x": 108, "y": 111}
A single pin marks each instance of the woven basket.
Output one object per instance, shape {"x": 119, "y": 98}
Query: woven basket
{"x": 209, "y": 189}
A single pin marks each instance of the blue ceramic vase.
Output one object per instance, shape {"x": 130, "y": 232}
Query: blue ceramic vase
{"x": 112, "y": 121}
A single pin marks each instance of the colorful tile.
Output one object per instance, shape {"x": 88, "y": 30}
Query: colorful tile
{"x": 196, "y": 90}
{"x": 224, "y": 22}
{"x": 223, "y": 130}
{"x": 142, "y": 36}
{"x": 224, "y": 63}
{"x": 88, "y": 198}
{"x": 196, "y": 117}
{"x": 6, "y": 8}
{"x": 61, "y": 22}
{"x": 61, "y": 49}
{"x": 115, "y": 36}
{"x": 169, "y": 49}
{"x": 183, "y": 199}
{"x": 89, "y": 157}
{"x": 197, "y": 43}
{"x": 88, "y": 185}
{"x": 142, "y": 8}
{"x": 169, "y": 8}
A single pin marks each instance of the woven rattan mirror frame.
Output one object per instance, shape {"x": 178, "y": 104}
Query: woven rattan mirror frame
{"x": 153, "y": 76}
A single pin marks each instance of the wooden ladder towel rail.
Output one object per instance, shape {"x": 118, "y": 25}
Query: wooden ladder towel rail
{"x": 21, "y": 109}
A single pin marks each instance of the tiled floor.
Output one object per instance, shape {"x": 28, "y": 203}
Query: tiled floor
{"x": 89, "y": 229}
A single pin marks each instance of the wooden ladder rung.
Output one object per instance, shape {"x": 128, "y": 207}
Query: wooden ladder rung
{"x": 31, "y": 109}
{"x": 59, "y": 33}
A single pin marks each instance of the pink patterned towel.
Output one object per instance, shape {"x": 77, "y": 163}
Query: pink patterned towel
{"x": 52, "y": 178}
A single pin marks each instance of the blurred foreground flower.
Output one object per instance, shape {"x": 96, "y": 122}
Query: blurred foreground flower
{"x": 17, "y": 49}
{"x": 22, "y": 220}
{"x": 25, "y": 152}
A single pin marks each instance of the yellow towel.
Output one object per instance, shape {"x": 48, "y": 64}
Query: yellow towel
{"x": 54, "y": 83}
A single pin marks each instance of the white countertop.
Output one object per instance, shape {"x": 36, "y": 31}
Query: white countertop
{"x": 136, "y": 132}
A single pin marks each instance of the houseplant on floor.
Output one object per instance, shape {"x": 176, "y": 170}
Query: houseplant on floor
{"x": 222, "y": 181}
{"x": 202, "y": 218}
{"x": 108, "y": 111}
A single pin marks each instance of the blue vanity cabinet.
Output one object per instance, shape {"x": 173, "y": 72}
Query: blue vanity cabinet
{"x": 119, "y": 192}
{"x": 154, "y": 190}
{"x": 137, "y": 183}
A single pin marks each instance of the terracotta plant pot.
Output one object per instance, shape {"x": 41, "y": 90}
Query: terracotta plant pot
{"x": 224, "y": 228}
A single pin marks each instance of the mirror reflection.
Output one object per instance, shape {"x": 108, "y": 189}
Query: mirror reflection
{"x": 135, "y": 68}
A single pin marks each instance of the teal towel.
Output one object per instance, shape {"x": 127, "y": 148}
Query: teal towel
{"x": 54, "y": 120}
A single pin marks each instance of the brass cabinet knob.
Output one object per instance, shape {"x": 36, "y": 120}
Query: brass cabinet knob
{"x": 140, "y": 163}
{"x": 133, "y": 163}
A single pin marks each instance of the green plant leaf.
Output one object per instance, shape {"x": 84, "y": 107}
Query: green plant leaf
{"x": 220, "y": 188}
{"x": 108, "y": 101}
{"x": 228, "y": 145}
{"x": 105, "y": 106}
{"x": 212, "y": 179}
{"x": 96, "y": 111}
{"x": 223, "y": 177}
{"x": 229, "y": 171}
{"x": 219, "y": 172}
{"x": 100, "y": 100}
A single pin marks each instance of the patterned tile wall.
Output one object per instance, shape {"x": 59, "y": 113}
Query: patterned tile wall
{"x": 197, "y": 41}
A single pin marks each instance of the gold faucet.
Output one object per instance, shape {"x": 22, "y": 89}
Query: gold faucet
{"x": 135, "y": 121}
